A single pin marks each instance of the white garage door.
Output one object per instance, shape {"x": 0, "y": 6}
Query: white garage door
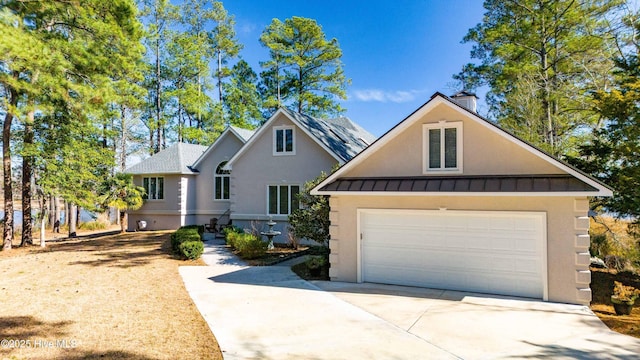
{"x": 479, "y": 251}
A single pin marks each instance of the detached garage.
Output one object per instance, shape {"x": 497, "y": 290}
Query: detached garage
{"x": 447, "y": 200}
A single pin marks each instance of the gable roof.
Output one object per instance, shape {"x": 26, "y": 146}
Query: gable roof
{"x": 242, "y": 134}
{"x": 176, "y": 159}
{"x": 337, "y": 183}
{"x": 340, "y": 137}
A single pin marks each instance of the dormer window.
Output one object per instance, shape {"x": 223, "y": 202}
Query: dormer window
{"x": 442, "y": 147}
{"x": 284, "y": 140}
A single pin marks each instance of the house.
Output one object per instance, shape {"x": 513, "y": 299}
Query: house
{"x": 448, "y": 200}
{"x": 288, "y": 150}
{"x": 175, "y": 197}
{"x": 250, "y": 177}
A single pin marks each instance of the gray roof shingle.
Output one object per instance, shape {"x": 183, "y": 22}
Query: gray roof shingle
{"x": 175, "y": 159}
{"x": 341, "y": 135}
{"x": 245, "y": 134}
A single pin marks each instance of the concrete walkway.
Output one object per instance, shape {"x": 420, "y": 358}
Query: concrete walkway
{"x": 270, "y": 313}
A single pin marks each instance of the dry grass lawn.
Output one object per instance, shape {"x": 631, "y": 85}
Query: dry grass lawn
{"x": 110, "y": 297}
{"x": 625, "y": 324}
{"x": 619, "y": 242}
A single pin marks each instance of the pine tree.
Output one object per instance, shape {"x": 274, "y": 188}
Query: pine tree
{"x": 540, "y": 59}
{"x": 160, "y": 15}
{"x": 304, "y": 66}
{"x": 242, "y": 104}
{"x": 64, "y": 56}
{"x": 225, "y": 45}
{"x": 613, "y": 155}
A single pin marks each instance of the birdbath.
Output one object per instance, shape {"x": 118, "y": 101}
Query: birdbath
{"x": 270, "y": 233}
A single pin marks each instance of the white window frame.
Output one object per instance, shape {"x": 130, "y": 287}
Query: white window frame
{"x": 148, "y": 187}
{"x": 225, "y": 174}
{"x": 284, "y": 128}
{"x": 289, "y": 198}
{"x": 442, "y": 125}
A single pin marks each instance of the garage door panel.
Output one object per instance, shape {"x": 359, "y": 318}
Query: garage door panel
{"x": 492, "y": 252}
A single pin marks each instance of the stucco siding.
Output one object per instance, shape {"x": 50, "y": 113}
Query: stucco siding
{"x": 566, "y": 231}
{"x": 205, "y": 207}
{"x": 171, "y": 193}
{"x": 484, "y": 151}
{"x": 257, "y": 168}
{"x": 156, "y": 221}
{"x": 167, "y": 213}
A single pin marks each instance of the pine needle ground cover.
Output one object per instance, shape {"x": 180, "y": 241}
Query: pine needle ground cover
{"x": 116, "y": 297}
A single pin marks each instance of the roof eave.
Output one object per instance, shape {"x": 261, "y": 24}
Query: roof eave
{"x": 215, "y": 144}
{"x": 461, "y": 193}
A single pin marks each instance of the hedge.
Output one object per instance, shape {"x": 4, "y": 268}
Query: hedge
{"x": 186, "y": 234}
{"x": 191, "y": 250}
{"x": 198, "y": 228}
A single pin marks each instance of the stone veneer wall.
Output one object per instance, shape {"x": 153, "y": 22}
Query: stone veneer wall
{"x": 334, "y": 232}
{"x": 581, "y": 243}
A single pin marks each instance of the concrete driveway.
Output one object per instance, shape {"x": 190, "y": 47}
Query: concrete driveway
{"x": 270, "y": 313}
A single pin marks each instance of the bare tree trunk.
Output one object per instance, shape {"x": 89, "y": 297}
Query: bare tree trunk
{"x": 546, "y": 95}
{"x": 151, "y": 141}
{"x": 51, "y": 211}
{"x": 27, "y": 174}
{"x": 123, "y": 139}
{"x": 220, "y": 94}
{"x": 6, "y": 166}
{"x": 299, "y": 99}
{"x": 72, "y": 220}
{"x": 180, "y": 123}
{"x": 43, "y": 216}
{"x": 56, "y": 215}
{"x": 123, "y": 221}
{"x": 158, "y": 90}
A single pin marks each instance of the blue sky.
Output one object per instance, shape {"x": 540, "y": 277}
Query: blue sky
{"x": 396, "y": 53}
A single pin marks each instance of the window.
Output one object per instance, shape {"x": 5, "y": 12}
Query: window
{"x": 443, "y": 147}
{"x": 283, "y": 140}
{"x": 282, "y": 199}
{"x": 221, "y": 182}
{"x": 154, "y": 188}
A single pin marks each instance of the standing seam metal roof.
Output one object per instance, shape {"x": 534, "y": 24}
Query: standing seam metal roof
{"x": 492, "y": 183}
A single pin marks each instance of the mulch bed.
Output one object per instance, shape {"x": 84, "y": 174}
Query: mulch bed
{"x": 278, "y": 254}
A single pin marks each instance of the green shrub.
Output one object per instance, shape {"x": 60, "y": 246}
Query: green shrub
{"x": 249, "y": 246}
{"x": 231, "y": 234}
{"x": 183, "y": 235}
{"x": 311, "y": 220}
{"x": 232, "y": 229}
{"x": 191, "y": 249}
{"x": 93, "y": 225}
{"x": 198, "y": 228}
{"x": 316, "y": 262}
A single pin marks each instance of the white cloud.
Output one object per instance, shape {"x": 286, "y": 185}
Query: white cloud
{"x": 247, "y": 28}
{"x": 398, "y": 96}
